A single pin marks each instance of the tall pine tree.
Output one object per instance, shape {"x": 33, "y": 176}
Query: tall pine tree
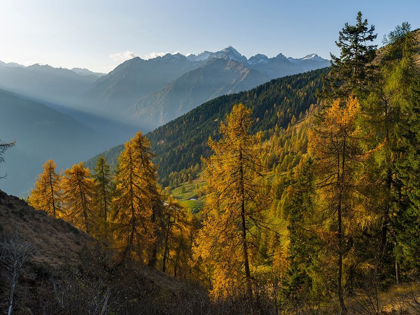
{"x": 352, "y": 71}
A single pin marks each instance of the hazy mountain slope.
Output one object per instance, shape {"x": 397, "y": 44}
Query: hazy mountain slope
{"x": 41, "y": 133}
{"x": 180, "y": 143}
{"x": 136, "y": 78}
{"x": 58, "y": 85}
{"x": 217, "y": 77}
{"x": 87, "y": 72}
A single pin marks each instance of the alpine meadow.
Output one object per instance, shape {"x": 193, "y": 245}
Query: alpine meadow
{"x": 210, "y": 183}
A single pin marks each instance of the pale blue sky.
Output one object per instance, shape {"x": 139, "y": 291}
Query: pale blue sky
{"x": 95, "y": 34}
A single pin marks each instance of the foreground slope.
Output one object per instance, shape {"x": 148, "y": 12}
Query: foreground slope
{"x": 68, "y": 272}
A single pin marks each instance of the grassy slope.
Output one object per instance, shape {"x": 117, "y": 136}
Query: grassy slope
{"x": 185, "y": 192}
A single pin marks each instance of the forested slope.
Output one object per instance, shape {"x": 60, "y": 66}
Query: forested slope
{"x": 180, "y": 143}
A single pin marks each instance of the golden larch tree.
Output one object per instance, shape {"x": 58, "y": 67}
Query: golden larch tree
{"x": 78, "y": 197}
{"x": 335, "y": 143}
{"x": 47, "y": 193}
{"x": 133, "y": 226}
{"x": 235, "y": 205}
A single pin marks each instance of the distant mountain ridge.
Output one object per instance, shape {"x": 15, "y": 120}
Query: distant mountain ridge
{"x": 44, "y": 82}
{"x": 154, "y": 91}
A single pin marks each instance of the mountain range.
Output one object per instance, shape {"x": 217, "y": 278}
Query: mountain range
{"x": 152, "y": 92}
{"x": 71, "y": 114}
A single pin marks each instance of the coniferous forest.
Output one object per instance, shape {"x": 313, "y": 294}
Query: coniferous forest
{"x": 305, "y": 196}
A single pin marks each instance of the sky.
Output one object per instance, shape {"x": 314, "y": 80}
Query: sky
{"x": 100, "y": 34}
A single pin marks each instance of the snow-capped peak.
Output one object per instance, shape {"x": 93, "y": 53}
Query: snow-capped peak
{"x": 259, "y": 58}
{"x": 200, "y": 57}
{"x": 311, "y": 56}
{"x": 229, "y": 53}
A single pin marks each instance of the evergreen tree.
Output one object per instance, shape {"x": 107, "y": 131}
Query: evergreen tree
{"x": 234, "y": 206}
{"x": 47, "y": 194}
{"x": 78, "y": 198}
{"x": 353, "y": 69}
{"x": 408, "y": 219}
{"x": 104, "y": 189}
{"x": 302, "y": 245}
{"x": 384, "y": 108}
{"x": 404, "y": 87}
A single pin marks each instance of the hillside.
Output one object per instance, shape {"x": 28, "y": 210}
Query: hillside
{"x": 41, "y": 133}
{"x": 66, "y": 271}
{"x": 180, "y": 143}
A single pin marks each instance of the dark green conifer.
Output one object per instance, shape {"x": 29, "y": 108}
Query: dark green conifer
{"x": 104, "y": 187}
{"x": 352, "y": 70}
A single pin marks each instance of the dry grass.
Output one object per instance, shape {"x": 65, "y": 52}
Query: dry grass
{"x": 55, "y": 241}
{"x": 64, "y": 256}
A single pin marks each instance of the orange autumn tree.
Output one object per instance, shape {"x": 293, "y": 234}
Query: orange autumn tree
{"x": 136, "y": 194}
{"x": 47, "y": 193}
{"x": 234, "y": 206}
{"x": 79, "y": 197}
{"x": 335, "y": 143}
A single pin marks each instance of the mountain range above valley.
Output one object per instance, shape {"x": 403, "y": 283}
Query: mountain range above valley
{"x": 152, "y": 92}
{"x": 138, "y": 95}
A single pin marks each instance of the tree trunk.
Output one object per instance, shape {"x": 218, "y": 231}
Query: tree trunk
{"x": 52, "y": 195}
{"x": 165, "y": 252}
{"x": 397, "y": 272}
{"x": 153, "y": 258}
{"x": 341, "y": 170}
{"x": 244, "y": 240}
